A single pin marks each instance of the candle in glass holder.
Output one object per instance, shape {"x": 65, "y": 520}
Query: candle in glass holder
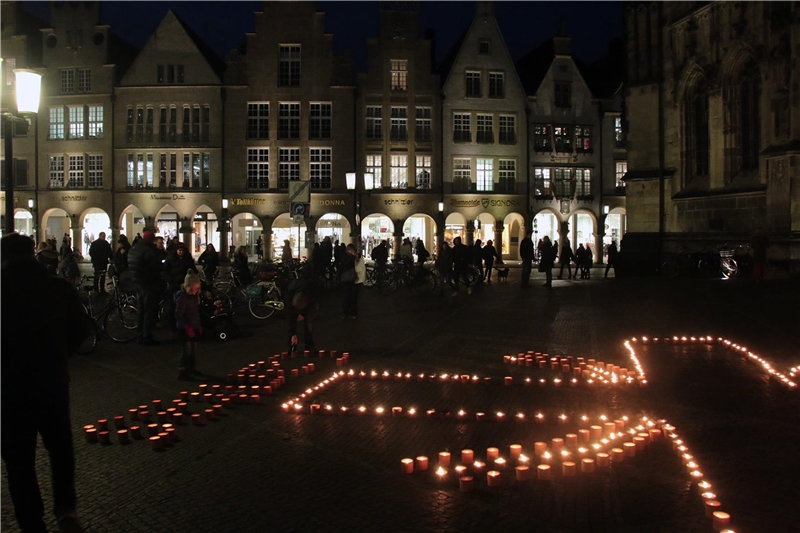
{"x": 467, "y": 457}
{"x": 568, "y": 469}
{"x": 602, "y": 459}
{"x": 584, "y": 435}
{"x": 90, "y": 432}
{"x": 500, "y": 463}
{"x": 407, "y": 465}
{"x": 441, "y": 474}
{"x": 466, "y": 483}
{"x": 478, "y": 467}
{"x": 587, "y": 465}
{"x": 711, "y": 507}
{"x": 558, "y": 443}
{"x": 629, "y": 448}
{"x": 444, "y": 459}
{"x": 155, "y": 442}
{"x": 571, "y": 440}
{"x": 596, "y": 432}
{"x": 123, "y": 436}
{"x": 522, "y": 472}
{"x": 539, "y": 448}
{"x": 422, "y": 463}
{"x": 721, "y": 520}
{"x": 543, "y": 472}
{"x": 492, "y": 453}
{"x": 617, "y": 455}
{"x": 514, "y": 451}
{"x": 493, "y": 478}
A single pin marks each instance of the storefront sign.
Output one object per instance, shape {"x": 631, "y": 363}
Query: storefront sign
{"x": 485, "y": 203}
{"x": 73, "y": 198}
{"x": 331, "y": 202}
{"x": 248, "y": 201}
{"x": 284, "y": 204}
{"x": 401, "y": 201}
{"x": 168, "y": 197}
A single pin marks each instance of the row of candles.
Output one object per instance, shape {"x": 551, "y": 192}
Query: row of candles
{"x": 591, "y": 370}
{"x": 255, "y": 382}
{"x": 574, "y": 452}
{"x": 787, "y": 380}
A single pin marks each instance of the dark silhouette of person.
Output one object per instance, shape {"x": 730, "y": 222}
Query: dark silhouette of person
{"x": 302, "y": 296}
{"x": 526, "y": 254}
{"x": 566, "y": 257}
{"x": 461, "y": 258}
{"x": 43, "y": 323}
{"x": 548, "y": 260}
{"x": 489, "y": 254}
{"x": 209, "y": 260}
{"x": 145, "y": 267}
{"x": 101, "y": 253}
{"x": 612, "y": 258}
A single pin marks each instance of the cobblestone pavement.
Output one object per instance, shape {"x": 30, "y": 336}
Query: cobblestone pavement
{"x": 259, "y": 469}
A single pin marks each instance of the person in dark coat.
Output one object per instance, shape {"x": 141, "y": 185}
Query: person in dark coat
{"x": 188, "y": 322}
{"x": 179, "y": 263}
{"x": 548, "y": 260}
{"x": 209, "y": 260}
{"x": 241, "y": 266}
{"x": 120, "y": 259}
{"x": 43, "y": 323}
{"x": 302, "y": 296}
{"x": 612, "y": 257}
{"x": 48, "y": 257}
{"x": 580, "y": 258}
{"x": 526, "y": 254}
{"x": 145, "y": 267}
{"x": 489, "y": 256}
{"x": 586, "y": 264}
{"x": 422, "y": 253}
{"x": 101, "y": 253}
{"x": 444, "y": 266}
{"x": 566, "y": 260}
{"x": 380, "y": 254}
{"x": 460, "y": 262}
{"x": 476, "y": 258}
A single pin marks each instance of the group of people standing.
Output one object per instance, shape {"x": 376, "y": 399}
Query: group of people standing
{"x": 452, "y": 263}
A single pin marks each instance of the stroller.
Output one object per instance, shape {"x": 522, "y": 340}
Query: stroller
{"x": 217, "y": 320}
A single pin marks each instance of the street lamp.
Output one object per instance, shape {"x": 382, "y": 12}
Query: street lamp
{"x": 28, "y": 88}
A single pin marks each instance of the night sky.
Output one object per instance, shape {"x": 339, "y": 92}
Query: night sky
{"x": 525, "y": 25}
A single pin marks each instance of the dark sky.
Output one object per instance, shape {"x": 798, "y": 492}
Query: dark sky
{"x": 525, "y": 25}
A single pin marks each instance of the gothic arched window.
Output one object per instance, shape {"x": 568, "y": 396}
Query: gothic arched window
{"x": 749, "y": 119}
{"x": 697, "y": 140}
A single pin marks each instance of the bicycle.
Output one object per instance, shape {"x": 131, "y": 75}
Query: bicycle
{"x": 116, "y": 320}
{"x": 719, "y": 263}
{"x": 263, "y": 297}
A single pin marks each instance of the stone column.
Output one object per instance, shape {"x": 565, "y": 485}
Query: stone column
{"x": 470, "y": 232}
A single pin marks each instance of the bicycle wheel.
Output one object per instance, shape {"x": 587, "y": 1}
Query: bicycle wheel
{"x": 388, "y": 284}
{"x": 370, "y": 279}
{"x": 728, "y": 267}
{"x": 120, "y": 323}
{"x": 471, "y": 276}
{"x": 425, "y": 281}
{"x": 266, "y": 304}
{"x": 217, "y": 294}
{"x": 670, "y": 268}
{"x": 87, "y": 346}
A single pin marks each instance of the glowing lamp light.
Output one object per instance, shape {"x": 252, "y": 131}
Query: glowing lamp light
{"x": 29, "y": 90}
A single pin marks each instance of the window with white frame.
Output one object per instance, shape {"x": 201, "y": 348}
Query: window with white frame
{"x": 563, "y": 138}
{"x": 56, "y": 123}
{"x": 289, "y": 166}
{"x": 140, "y": 124}
{"x": 507, "y": 174}
{"x": 621, "y": 168}
{"x": 320, "y": 125}
{"x": 399, "y": 171}
{"x": 319, "y": 168}
{"x": 205, "y": 127}
{"x": 374, "y": 166}
{"x": 496, "y": 85}
{"x": 75, "y": 171}
{"x": 131, "y": 172}
{"x": 484, "y": 129}
{"x": 541, "y": 138}
{"x": 289, "y": 120}
{"x": 583, "y": 181}
{"x": 187, "y": 170}
{"x": 84, "y": 80}
{"x": 95, "y": 122}
{"x": 205, "y": 179}
{"x": 461, "y": 132}
{"x": 462, "y": 174}
{"x": 473, "y": 84}
{"x": 563, "y": 182}
{"x": 67, "y": 81}
{"x": 484, "y": 174}
{"x": 173, "y": 170}
{"x": 423, "y": 170}
{"x": 162, "y": 171}
{"x": 258, "y": 168}
{"x": 75, "y": 122}
{"x": 399, "y": 125}
{"x": 484, "y": 47}
{"x": 150, "y": 171}
{"x": 374, "y": 129}
{"x": 56, "y": 171}
{"x": 399, "y": 74}
{"x": 619, "y": 135}
{"x": 508, "y": 129}
{"x": 95, "y": 168}
{"x": 583, "y": 139}
{"x": 289, "y": 67}
{"x": 423, "y": 131}
{"x": 541, "y": 182}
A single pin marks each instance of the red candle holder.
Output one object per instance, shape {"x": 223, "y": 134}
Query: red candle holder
{"x": 103, "y": 438}
{"x": 152, "y": 429}
{"x": 196, "y": 419}
{"x": 210, "y": 414}
{"x": 133, "y": 413}
{"x": 123, "y": 437}
{"x": 102, "y": 424}
{"x": 90, "y": 432}
{"x": 155, "y": 442}
{"x": 135, "y": 432}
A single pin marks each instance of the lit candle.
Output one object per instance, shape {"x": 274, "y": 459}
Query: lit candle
{"x": 444, "y": 459}
{"x": 466, "y": 484}
{"x": 460, "y": 470}
{"x": 90, "y": 432}
{"x": 568, "y": 468}
{"x": 572, "y": 440}
{"x": 493, "y": 478}
{"x": 640, "y": 443}
{"x": 514, "y": 450}
{"x": 609, "y": 427}
{"x": 708, "y": 496}
{"x": 617, "y": 455}
{"x": 492, "y": 454}
{"x": 467, "y": 457}
{"x": 539, "y": 448}
{"x": 407, "y": 465}
{"x": 441, "y": 474}
{"x": 711, "y": 507}
{"x": 500, "y": 463}
{"x": 422, "y": 463}
{"x": 629, "y": 448}
{"x": 558, "y": 443}
{"x": 721, "y": 520}
{"x": 587, "y": 465}
{"x": 155, "y": 442}
{"x": 602, "y": 459}
{"x": 522, "y": 472}
{"x": 478, "y": 467}
{"x": 584, "y": 435}
{"x": 508, "y": 380}
{"x": 596, "y": 432}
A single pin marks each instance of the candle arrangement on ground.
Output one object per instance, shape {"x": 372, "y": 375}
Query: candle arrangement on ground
{"x": 250, "y": 385}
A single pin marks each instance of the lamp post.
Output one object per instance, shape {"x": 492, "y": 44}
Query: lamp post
{"x": 223, "y": 229}
{"x": 28, "y": 85}
{"x": 32, "y": 208}
{"x": 352, "y": 186}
